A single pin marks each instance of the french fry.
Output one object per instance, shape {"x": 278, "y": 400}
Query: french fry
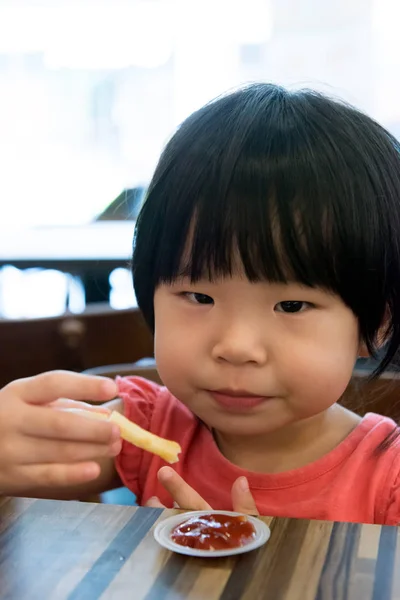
{"x": 132, "y": 433}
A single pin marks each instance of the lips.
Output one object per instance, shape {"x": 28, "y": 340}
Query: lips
{"x": 237, "y": 399}
{"x": 237, "y": 393}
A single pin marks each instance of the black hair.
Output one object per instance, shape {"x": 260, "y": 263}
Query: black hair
{"x": 302, "y": 187}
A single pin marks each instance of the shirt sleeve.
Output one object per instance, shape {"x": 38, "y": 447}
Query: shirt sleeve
{"x": 393, "y": 506}
{"x": 138, "y": 396}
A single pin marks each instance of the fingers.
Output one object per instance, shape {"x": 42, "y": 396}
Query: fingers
{"x": 66, "y": 403}
{"x": 187, "y": 498}
{"x": 50, "y": 386}
{"x": 54, "y": 475}
{"x": 184, "y": 495}
{"x": 40, "y": 422}
{"x": 242, "y": 499}
{"x": 43, "y": 443}
{"x": 30, "y": 451}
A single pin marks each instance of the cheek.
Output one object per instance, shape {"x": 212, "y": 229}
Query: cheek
{"x": 173, "y": 358}
{"x": 324, "y": 381}
{"x": 319, "y": 372}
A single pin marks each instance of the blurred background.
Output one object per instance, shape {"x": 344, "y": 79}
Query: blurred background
{"x": 90, "y": 91}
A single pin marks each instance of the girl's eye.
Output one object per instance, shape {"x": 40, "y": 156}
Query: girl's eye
{"x": 292, "y": 306}
{"x": 199, "y": 298}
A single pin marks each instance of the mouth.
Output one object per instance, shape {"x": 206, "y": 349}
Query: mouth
{"x": 236, "y": 393}
{"x": 237, "y": 399}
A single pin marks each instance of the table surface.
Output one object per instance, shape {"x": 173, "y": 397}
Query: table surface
{"x": 53, "y": 550}
{"x": 106, "y": 242}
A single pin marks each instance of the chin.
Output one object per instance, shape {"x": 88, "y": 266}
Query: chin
{"x": 242, "y": 425}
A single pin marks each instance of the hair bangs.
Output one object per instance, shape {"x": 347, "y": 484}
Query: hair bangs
{"x": 263, "y": 206}
{"x": 262, "y": 239}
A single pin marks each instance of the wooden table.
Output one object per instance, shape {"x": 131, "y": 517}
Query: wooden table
{"x": 52, "y": 550}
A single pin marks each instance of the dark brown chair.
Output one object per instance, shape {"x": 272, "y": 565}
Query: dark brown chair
{"x": 100, "y": 335}
{"x": 381, "y": 396}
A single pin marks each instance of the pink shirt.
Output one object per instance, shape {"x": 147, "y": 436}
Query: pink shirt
{"x": 350, "y": 483}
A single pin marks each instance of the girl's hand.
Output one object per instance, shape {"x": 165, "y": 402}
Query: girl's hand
{"x": 187, "y": 498}
{"x": 44, "y": 447}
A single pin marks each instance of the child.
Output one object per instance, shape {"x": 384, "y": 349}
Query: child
{"x": 266, "y": 259}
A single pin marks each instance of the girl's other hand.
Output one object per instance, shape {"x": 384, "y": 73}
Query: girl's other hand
{"x": 41, "y": 447}
{"x": 187, "y": 498}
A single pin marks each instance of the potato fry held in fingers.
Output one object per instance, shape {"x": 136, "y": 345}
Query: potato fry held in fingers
{"x": 132, "y": 433}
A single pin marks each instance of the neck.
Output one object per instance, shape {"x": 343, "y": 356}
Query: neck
{"x": 292, "y": 446}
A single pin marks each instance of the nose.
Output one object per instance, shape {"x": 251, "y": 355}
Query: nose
{"x": 239, "y": 344}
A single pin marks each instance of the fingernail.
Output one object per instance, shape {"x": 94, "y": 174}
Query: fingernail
{"x": 116, "y": 448}
{"x": 115, "y": 433}
{"x": 165, "y": 472}
{"x": 91, "y": 470}
{"x": 109, "y": 388}
{"x": 244, "y": 484}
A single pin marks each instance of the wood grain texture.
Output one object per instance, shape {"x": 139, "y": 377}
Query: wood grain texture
{"x": 70, "y": 550}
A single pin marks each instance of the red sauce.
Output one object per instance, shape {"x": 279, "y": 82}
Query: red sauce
{"x": 214, "y": 532}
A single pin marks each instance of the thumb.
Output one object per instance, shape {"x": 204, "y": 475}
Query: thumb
{"x": 242, "y": 499}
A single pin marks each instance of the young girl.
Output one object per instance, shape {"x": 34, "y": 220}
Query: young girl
{"x": 266, "y": 260}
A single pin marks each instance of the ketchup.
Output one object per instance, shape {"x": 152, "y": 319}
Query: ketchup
{"x": 214, "y": 531}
